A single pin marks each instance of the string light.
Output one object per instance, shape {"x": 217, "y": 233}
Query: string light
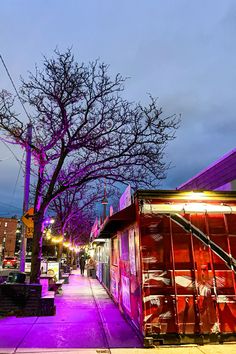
{"x": 56, "y": 239}
{"x": 66, "y": 244}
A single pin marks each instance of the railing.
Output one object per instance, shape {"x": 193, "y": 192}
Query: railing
{"x": 187, "y": 226}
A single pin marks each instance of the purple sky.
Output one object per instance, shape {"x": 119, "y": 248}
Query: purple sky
{"x": 181, "y": 51}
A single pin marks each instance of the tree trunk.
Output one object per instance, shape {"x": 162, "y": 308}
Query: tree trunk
{"x": 75, "y": 259}
{"x": 37, "y": 249}
{"x": 72, "y": 258}
{"x": 59, "y": 251}
{"x": 68, "y": 256}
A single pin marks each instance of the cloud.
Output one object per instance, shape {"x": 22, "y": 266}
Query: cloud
{"x": 182, "y": 52}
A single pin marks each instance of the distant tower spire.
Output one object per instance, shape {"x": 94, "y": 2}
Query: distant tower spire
{"x": 104, "y": 200}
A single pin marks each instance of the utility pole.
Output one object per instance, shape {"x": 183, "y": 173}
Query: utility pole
{"x": 26, "y": 195}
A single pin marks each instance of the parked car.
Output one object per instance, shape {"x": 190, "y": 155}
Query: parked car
{"x": 10, "y": 262}
{"x": 51, "y": 259}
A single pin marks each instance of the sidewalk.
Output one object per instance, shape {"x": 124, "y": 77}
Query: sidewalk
{"x": 87, "y": 322}
{"x": 85, "y": 318}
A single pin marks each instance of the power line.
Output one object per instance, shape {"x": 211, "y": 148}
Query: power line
{"x": 14, "y": 86}
{"x": 12, "y": 82}
{"x": 19, "y": 162}
{"x": 18, "y": 175}
{"x": 28, "y": 127}
{"x": 5, "y": 214}
{"x": 9, "y": 205}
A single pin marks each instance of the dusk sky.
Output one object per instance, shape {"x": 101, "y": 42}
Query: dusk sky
{"x": 181, "y": 51}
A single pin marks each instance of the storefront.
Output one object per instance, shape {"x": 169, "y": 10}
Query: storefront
{"x": 102, "y": 259}
{"x": 172, "y": 267}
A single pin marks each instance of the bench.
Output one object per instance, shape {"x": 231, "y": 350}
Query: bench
{"x": 46, "y": 281}
{"x": 65, "y": 268}
{"x": 65, "y": 277}
{"x": 58, "y": 286}
{"x": 47, "y": 304}
{"x": 49, "y": 284}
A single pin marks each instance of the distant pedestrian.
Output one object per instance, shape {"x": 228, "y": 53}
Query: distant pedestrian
{"x": 82, "y": 264}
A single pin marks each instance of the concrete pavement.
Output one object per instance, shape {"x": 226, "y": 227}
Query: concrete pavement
{"x": 206, "y": 349}
{"x": 85, "y": 318}
{"x": 88, "y": 322}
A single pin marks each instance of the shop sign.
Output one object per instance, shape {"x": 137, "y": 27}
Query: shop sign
{"x": 125, "y": 199}
{"x": 27, "y": 267}
{"x": 29, "y": 232}
{"x": 95, "y": 229}
{"x": 53, "y": 268}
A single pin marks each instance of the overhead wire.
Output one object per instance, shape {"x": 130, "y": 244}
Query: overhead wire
{"x": 19, "y": 162}
{"x": 17, "y": 94}
{"x": 20, "y": 165}
{"x": 28, "y": 116}
{"x": 15, "y": 89}
{"x": 18, "y": 175}
{"x": 10, "y": 205}
{"x": 14, "y": 86}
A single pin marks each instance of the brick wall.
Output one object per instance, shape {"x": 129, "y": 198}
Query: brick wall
{"x": 7, "y": 236}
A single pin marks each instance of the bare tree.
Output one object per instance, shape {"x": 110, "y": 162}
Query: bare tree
{"x": 73, "y": 206}
{"x": 77, "y": 231}
{"x": 85, "y": 130}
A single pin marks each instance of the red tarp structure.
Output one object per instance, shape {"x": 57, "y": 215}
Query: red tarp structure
{"x": 172, "y": 273}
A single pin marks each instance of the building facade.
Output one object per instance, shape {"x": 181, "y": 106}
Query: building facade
{"x": 220, "y": 175}
{"x": 8, "y": 236}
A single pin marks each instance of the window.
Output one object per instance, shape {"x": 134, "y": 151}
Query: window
{"x": 5, "y": 224}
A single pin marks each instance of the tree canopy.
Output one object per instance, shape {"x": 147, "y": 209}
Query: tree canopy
{"x": 84, "y": 130}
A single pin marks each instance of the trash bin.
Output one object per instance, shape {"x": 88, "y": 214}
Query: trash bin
{"x": 16, "y": 277}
